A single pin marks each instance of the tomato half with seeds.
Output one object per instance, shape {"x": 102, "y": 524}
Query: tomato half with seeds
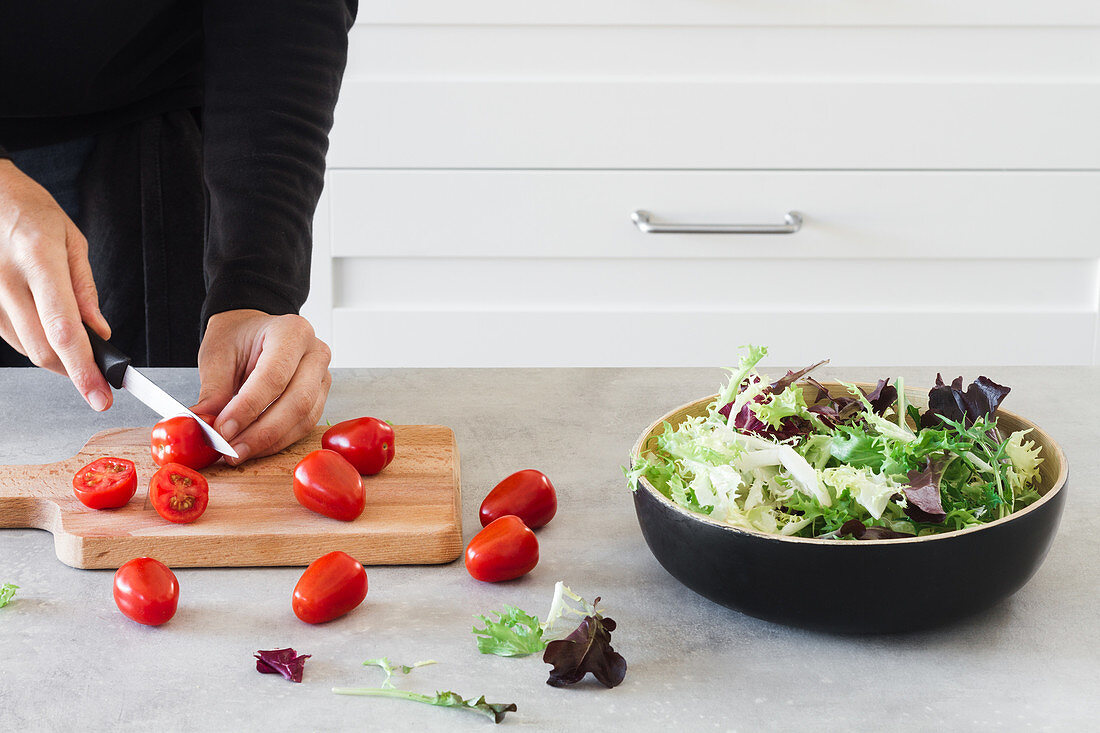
{"x": 106, "y": 483}
{"x": 147, "y": 591}
{"x": 504, "y": 550}
{"x": 331, "y": 586}
{"x": 528, "y": 494}
{"x": 181, "y": 440}
{"x": 179, "y": 494}
{"x": 366, "y": 442}
{"x": 326, "y": 483}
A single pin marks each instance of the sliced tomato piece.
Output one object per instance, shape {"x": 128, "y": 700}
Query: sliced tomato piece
{"x": 179, "y": 494}
{"x": 105, "y": 483}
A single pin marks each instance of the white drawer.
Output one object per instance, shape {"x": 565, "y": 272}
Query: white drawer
{"x": 514, "y": 268}
{"x": 709, "y": 12}
{"x": 719, "y": 98}
{"x": 587, "y": 213}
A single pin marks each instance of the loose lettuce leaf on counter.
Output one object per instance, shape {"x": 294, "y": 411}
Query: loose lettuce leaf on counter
{"x": 514, "y": 633}
{"x": 587, "y": 649}
{"x": 7, "y": 591}
{"x": 286, "y": 662}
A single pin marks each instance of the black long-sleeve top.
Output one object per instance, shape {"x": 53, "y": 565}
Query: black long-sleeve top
{"x": 266, "y": 74}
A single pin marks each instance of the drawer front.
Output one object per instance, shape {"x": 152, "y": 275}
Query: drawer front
{"x": 719, "y": 98}
{"x": 580, "y": 214}
{"x": 514, "y": 268}
{"x": 703, "y": 12}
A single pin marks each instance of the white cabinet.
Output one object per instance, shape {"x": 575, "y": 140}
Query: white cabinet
{"x": 483, "y": 174}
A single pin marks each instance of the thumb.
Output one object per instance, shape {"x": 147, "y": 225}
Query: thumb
{"x": 218, "y": 385}
{"x": 80, "y": 271}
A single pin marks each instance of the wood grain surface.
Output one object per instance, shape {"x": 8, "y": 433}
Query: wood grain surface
{"x": 412, "y": 514}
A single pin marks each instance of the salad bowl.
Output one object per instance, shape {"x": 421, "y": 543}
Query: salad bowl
{"x": 850, "y": 586}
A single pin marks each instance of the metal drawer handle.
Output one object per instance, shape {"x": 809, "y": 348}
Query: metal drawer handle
{"x": 644, "y": 221}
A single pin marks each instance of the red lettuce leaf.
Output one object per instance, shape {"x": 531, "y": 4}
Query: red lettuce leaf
{"x": 981, "y": 399}
{"x": 281, "y": 661}
{"x": 922, "y": 494}
{"x": 790, "y": 378}
{"x": 857, "y": 529}
{"x": 587, "y": 649}
{"x": 882, "y": 396}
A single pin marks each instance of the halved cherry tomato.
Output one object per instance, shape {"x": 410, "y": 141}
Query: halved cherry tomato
{"x": 505, "y": 549}
{"x": 331, "y": 586}
{"x": 181, "y": 440}
{"x": 147, "y": 591}
{"x": 326, "y": 483}
{"x": 179, "y": 494}
{"x": 528, "y": 494}
{"x": 366, "y": 442}
{"x": 105, "y": 483}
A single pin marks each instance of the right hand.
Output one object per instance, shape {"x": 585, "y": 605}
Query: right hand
{"x": 46, "y": 286}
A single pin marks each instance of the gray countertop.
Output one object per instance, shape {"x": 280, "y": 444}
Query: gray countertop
{"x": 70, "y": 659}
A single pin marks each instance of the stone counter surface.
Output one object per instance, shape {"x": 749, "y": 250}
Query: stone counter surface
{"x": 70, "y": 661}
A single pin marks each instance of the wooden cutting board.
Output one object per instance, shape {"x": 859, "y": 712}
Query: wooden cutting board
{"x": 412, "y": 514}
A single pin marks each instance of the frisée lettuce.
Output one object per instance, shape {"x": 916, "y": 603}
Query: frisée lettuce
{"x": 787, "y": 457}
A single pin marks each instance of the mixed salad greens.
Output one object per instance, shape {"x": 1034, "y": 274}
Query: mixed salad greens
{"x": 787, "y": 457}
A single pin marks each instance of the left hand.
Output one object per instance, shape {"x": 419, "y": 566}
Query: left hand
{"x": 265, "y": 377}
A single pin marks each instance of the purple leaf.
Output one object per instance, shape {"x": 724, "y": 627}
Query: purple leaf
{"x": 922, "y": 494}
{"x": 981, "y": 399}
{"x": 281, "y": 661}
{"x": 587, "y": 649}
{"x": 883, "y": 395}
{"x": 857, "y": 529}
{"x": 782, "y": 383}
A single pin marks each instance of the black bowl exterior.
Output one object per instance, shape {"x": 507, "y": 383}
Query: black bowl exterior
{"x": 849, "y": 587}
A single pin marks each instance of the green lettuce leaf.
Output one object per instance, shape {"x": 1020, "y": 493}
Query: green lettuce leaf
{"x": 514, "y": 633}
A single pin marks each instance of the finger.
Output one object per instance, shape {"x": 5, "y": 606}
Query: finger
{"x": 275, "y": 368}
{"x": 87, "y": 296}
{"x": 51, "y": 286}
{"x": 293, "y": 414}
{"x": 8, "y": 333}
{"x": 23, "y": 316}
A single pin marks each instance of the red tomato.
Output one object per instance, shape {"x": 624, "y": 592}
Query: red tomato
{"x": 326, "y": 483}
{"x": 181, "y": 440}
{"x": 505, "y": 549}
{"x": 366, "y": 442}
{"x": 528, "y": 494}
{"x": 146, "y": 591}
{"x": 331, "y": 586}
{"x": 179, "y": 494}
{"x": 105, "y": 483}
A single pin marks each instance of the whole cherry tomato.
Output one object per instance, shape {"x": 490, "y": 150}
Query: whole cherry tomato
{"x": 326, "y": 483}
{"x": 505, "y": 549}
{"x": 528, "y": 494}
{"x": 179, "y": 494}
{"x": 146, "y": 591}
{"x": 366, "y": 442}
{"x": 105, "y": 483}
{"x": 181, "y": 440}
{"x": 331, "y": 586}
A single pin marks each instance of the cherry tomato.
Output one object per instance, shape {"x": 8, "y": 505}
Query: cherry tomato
{"x": 331, "y": 586}
{"x": 146, "y": 591}
{"x": 105, "y": 483}
{"x": 505, "y": 549}
{"x": 366, "y": 442}
{"x": 181, "y": 440}
{"x": 326, "y": 483}
{"x": 528, "y": 494}
{"x": 179, "y": 494}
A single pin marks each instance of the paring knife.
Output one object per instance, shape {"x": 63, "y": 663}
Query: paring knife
{"x": 119, "y": 374}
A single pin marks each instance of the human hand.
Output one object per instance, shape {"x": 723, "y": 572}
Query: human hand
{"x": 265, "y": 377}
{"x": 46, "y": 288}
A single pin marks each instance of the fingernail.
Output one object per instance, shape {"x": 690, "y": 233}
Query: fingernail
{"x": 242, "y": 453}
{"x": 97, "y": 399}
{"x": 230, "y": 429}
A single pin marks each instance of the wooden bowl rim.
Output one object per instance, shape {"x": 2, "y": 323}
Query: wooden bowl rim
{"x": 918, "y": 398}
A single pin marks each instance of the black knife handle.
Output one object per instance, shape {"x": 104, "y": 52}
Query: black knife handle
{"x": 110, "y": 360}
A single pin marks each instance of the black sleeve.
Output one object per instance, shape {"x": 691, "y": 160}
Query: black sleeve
{"x": 271, "y": 74}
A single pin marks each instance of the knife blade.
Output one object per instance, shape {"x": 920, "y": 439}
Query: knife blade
{"x": 118, "y": 372}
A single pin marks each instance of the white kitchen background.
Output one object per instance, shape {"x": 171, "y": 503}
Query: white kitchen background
{"x": 488, "y": 155}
